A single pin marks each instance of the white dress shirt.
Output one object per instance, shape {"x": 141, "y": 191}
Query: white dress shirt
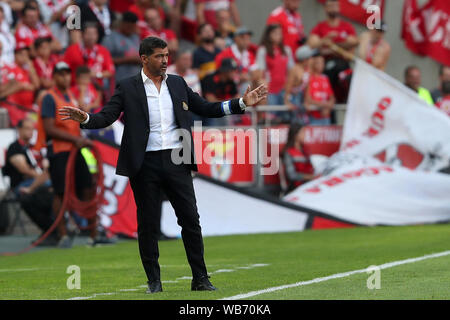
{"x": 163, "y": 128}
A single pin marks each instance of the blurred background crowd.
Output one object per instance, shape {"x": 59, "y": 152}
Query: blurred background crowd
{"x": 210, "y": 45}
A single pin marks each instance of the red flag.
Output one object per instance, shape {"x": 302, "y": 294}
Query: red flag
{"x": 426, "y": 30}
{"x": 356, "y": 10}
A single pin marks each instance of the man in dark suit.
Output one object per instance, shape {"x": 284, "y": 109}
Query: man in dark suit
{"x": 155, "y": 110}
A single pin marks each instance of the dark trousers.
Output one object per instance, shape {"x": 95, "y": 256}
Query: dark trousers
{"x": 158, "y": 174}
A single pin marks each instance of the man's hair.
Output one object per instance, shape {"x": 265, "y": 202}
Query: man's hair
{"x": 89, "y": 24}
{"x": 201, "y": 27}
{"x": 39, "y": 41}
{"x": 148, "y": 45}
{"x": 27, "y": 7}
{"x": 409, "y": 69}
{"x": 129, "y": 17}
{"x": 22, "y": 122}
{"x": 82, "y": 70}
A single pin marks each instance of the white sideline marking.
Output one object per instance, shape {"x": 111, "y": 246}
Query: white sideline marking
{"x": 19, "y": 270}
{"x": 335, "y": 276}
{"x": 251, "y": 266}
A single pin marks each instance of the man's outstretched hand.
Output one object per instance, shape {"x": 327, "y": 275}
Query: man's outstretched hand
{"x": 71, "y": 113}
{"x": 253, "y": 97}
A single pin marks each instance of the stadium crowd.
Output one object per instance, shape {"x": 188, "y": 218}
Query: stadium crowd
{"x": 309, "y": 73}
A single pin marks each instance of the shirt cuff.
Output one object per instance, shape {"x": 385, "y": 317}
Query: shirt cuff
{"x": 87, "y": 119}
{"x": 242, "y": 104}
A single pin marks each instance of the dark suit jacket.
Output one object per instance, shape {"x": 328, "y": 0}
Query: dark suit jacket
{"x": 130, "y": 98}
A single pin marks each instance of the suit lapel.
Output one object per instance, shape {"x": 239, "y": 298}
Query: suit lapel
{"x": 142, "y": 95}
{"x": 171, "y": 85}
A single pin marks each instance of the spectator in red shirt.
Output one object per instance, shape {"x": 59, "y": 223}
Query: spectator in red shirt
{"x": 29, "y": 28}
{"x": 206, "y": 11}
{"x": 319, "y": 98}
{"x": 44, "y": 61}
{"x": 245, "y": 59}
{"x": 444, "y": 104}
{"x": 91, "y": 54}
{"x": 155, "y": 28}
{"x": 296, "y": 163}
{"x": 274, "y": 61}
{"x": 21, "y": 98}
{"x": 290, "y": 20}
{"x": 141, "y": 5}
{"x": 89, "y": 99}
{"x": 341, "y": 33}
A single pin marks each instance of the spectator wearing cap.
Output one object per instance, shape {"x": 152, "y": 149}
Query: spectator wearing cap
{"x": 245, "y": 59}
{"x": 444, "y": 76}
{"x": 336, "y": 31}
{"x": 88, "y": 52}
{"x": 297, "y": 82}
{"x": 155, "y": 28}
{"x": 205, "y": 54}
{"x": 60, "y": 137}
{"x": 206, "y": 11}
{"x": 7, "y": 39}
{"x": 274, "y": 61}
{"x": 373, "y": 48}
{"x": 98, "y": 12}
{"x": 413, "y": 80}
{"x": 123, "y": 45}
{"x": 221, "y": 85}
{"x": 290, "y": 20}
{"x": 20, "y": 98}
{"x": 319, "y": 96}
{"x": 44, "y": 61}
{"x": 29, "y": 28}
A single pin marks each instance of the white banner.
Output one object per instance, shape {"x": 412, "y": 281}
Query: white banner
{"x": 385, "y": 121}
{"x": 225, "y": 211}
{"x": 365, "y": 191}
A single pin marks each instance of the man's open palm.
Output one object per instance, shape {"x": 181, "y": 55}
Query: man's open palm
{"x": 253, "y": 97}
{"x": 71, "y": 113}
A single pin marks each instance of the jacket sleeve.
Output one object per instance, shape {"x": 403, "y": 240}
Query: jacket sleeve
{"x": 109, "y": 113}
{"x": 202, "y": 107}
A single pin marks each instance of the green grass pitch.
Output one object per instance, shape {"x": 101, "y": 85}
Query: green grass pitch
{"x": 244, "y": 263}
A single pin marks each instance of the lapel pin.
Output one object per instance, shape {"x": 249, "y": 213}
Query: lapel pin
{"x": 185, "y": 106}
